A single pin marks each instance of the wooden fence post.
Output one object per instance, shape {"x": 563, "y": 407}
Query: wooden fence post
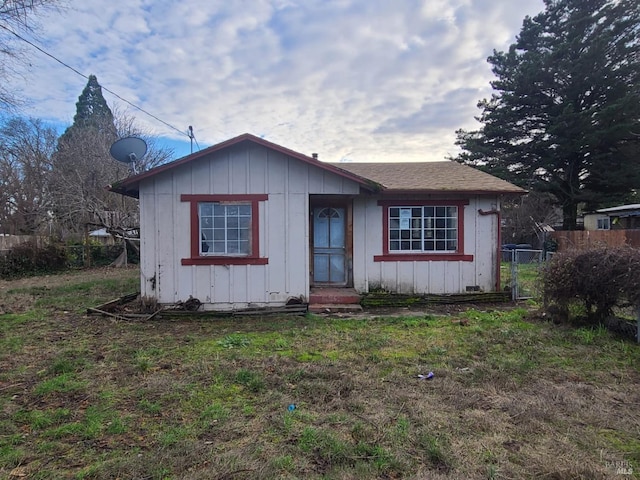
{"x": 87, "y": 246}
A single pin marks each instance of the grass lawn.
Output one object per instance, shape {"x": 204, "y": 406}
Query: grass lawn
{"x": 306, "y": 397}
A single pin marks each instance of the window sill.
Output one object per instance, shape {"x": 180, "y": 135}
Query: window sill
{"x": 423, "y": 257}
{"x": 212, "y": 260}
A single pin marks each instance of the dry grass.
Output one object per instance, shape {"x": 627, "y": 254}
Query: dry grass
{"x": 208, "y": 399}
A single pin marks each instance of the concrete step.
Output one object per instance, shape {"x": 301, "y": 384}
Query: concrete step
{"x": 334, "y": 296}
{"x": 335, "y": 308}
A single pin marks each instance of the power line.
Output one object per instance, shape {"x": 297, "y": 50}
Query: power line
{"x": 86, "y": 77}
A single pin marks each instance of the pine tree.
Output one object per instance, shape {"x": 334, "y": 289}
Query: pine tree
{"x": 82, "y": 165}
{"x": 93, "y": 116}
{"x": 565, "y": 116}
{"x": 91, "y": 107}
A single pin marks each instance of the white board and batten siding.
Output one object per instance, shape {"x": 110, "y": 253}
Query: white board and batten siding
{"x": 426, "y": 277}
{"x": 284, "y": 228}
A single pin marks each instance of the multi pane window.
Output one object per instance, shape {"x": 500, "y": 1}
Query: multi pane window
{"x": 604, "y": 224}
{"x": 225, "y": 228}
{"x": 423, "y": 229}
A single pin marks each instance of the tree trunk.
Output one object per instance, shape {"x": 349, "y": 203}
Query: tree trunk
{"x": 569, "y": 216}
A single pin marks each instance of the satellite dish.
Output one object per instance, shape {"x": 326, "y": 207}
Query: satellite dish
{"x": 128, "y": 150}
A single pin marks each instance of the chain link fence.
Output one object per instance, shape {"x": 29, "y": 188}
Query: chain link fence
{"x": 520, "y": 272}
{"x": 99, "y": 255}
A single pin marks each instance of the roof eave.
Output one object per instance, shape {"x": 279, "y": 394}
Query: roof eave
{"x": 118, "y": 187}
{"x": 388, "y": 191}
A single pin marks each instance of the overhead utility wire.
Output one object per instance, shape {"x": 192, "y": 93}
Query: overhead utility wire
{"x": 84, "y": 76}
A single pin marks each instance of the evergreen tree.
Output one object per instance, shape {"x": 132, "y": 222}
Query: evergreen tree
{"x": 82, "y": 165}
{"x": 91, "y": 107}
{"x": 565, "y": 115}
{"x": 92, "y": 113}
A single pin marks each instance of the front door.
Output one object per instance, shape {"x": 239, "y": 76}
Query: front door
{"x": 329, "y": 246}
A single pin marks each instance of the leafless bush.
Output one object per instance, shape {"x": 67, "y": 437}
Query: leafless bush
{"x": 598, "y": 278}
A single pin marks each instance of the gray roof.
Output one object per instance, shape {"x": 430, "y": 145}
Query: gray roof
{"x": 620, "y": 208}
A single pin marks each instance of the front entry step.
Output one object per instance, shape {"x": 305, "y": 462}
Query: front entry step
{"x": 334, "y": 308}
{"x": 334, "y": 300}
{"x": 333, "y": 296}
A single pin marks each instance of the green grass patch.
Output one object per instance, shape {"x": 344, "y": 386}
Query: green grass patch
{"x": 63, "y": 383}
{"x": 308, "y": 397}
{"x": 77, "y": 296}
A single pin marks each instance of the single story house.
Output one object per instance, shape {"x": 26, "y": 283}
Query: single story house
{"x": 248, "y": 223}
{"x": 622, "y": 217}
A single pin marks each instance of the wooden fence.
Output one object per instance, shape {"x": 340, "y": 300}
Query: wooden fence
{"x": 9, "y": 241}
{"x": 568, "y": 240}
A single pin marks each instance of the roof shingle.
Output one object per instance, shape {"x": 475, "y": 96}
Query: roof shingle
{"x": 430, "y": 176}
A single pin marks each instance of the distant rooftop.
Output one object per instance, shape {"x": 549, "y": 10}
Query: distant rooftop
{"x": 620, "y": 208}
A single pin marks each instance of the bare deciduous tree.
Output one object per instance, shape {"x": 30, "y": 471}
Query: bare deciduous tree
{"x": 82, "y": 166}
{"x": 126, "y": 126}
{"x": 26, "y": 147}
{"x": 523, "y": 217}
{"x": 16, "y": 17}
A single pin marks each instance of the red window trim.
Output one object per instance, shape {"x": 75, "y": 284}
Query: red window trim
{"x": 458, "y": 256}
{"x": 251, "y": 259}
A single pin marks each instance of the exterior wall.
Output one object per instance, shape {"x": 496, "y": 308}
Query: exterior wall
{"x": 284, "y": 225}
{"x": 480, "y": 240}
{"x": 590, "y": 221}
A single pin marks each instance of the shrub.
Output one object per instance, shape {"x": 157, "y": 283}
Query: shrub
{"x": 28, "y": 259}
{"x": 597, "y": 279}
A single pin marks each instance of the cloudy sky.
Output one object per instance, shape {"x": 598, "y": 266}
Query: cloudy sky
{"x": 354, "y": 80}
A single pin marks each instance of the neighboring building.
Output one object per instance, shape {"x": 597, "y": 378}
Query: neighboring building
{"x": 249, "y": 223}
{"x": 101, "y": 235}
{"x": 623, "y": 217}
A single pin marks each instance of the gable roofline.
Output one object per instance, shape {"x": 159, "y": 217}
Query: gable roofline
{"x": 130, "y": 186}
